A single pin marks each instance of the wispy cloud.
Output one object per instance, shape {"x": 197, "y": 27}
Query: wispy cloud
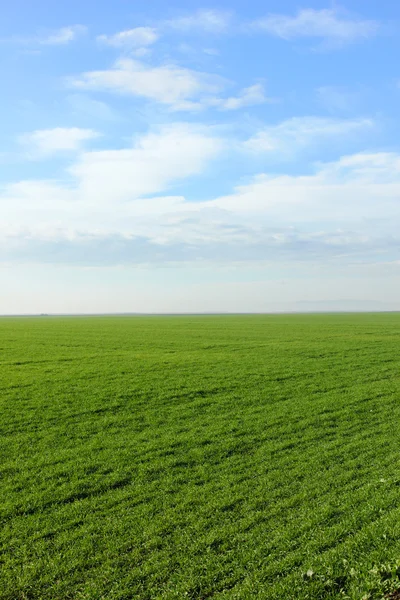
{"x": 171, "y": 85}
{"x": 255, "y": 94}
{"x": 56, "y": 37}
{"x": 138, "y": 37}
{"x": 326, "y": 24}
{"x": 179, "y": 88}
{"x": 43, "y": 143}
{"x": 209, "y": 21}
{"x": 62, "y": 36}
{"x": 296, "y": 133}
{"x": 236, "y": 245}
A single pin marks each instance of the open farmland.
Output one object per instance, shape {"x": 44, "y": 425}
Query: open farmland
{"x": 200, "y": 457}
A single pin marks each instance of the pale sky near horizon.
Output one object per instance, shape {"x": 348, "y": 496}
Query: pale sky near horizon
{"x": 190, "y": 157}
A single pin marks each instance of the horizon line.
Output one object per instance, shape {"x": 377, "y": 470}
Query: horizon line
{"x": 205, "y": 313}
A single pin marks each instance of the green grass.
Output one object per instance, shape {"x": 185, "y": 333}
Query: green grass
{"x": 200, "y": 457}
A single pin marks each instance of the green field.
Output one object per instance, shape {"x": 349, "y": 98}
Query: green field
{"x": 200, "y": 457}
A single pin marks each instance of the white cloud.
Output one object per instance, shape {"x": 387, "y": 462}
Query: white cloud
{"x": 46, "y": 142}
{"x": 167, "y": 84}
{"x": 369, "y": 168}
{"x": 62, "y": 36}
{"x": 36, "y": 195}
{"x": 298, "y": 132}
{"x": 106, "y": 178}
{"x": 354, "y": 189}
{"x": 254, "y": 94}
{"x": 156, "y": 160}
{"x": 326, "y": 24}
{"x": 179, "y": 88}
{"x": 210, "y": 21}
{"x": 345, "y": 210}
{"x": 138, "y": 37}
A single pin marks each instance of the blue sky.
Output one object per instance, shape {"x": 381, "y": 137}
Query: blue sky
{"x": 240, "y": 157}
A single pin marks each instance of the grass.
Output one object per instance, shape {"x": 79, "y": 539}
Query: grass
{"x": 200, "y": 457}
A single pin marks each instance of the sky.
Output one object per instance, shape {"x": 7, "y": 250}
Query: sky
{"x": 190, "y": 157}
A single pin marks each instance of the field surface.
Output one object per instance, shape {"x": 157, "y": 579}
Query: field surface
{"x": 238, "y": 457}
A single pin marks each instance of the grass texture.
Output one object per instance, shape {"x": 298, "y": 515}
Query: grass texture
{"x": 239, "y": 457}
